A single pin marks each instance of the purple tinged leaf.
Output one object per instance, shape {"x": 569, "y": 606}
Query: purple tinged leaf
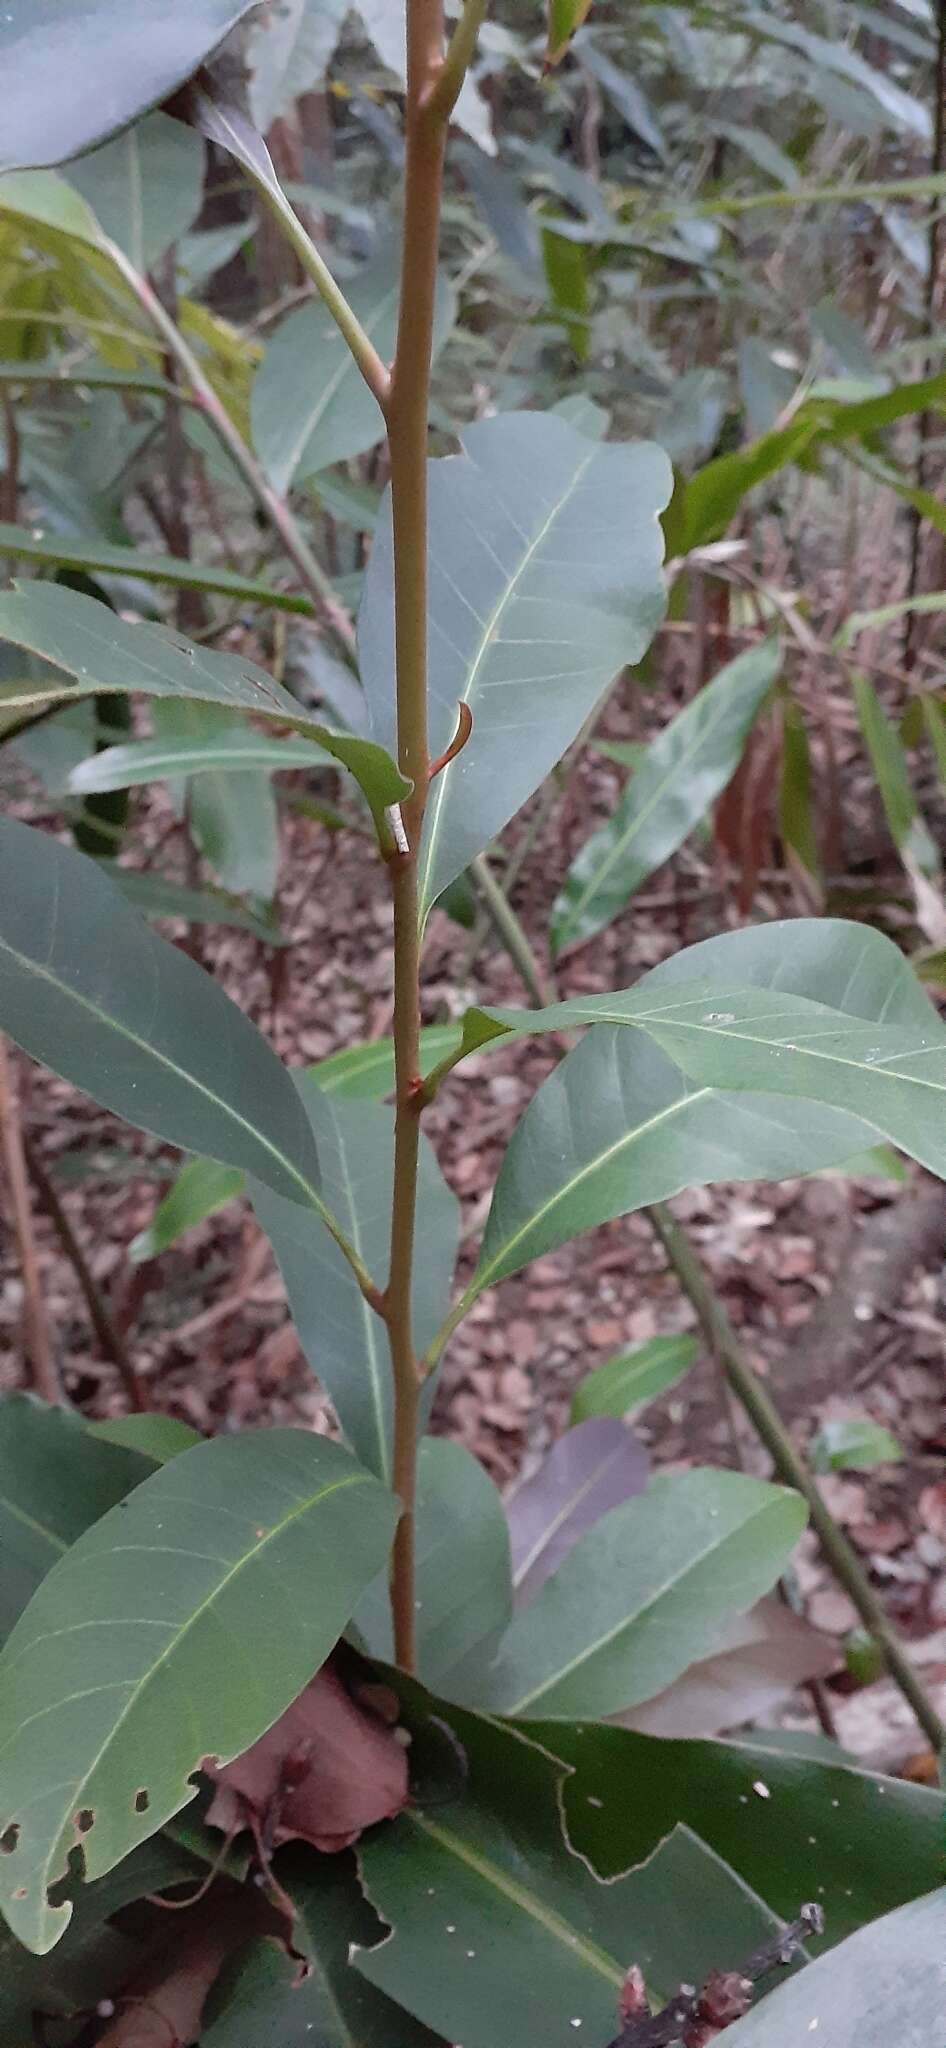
{"x": 591, "y": 1469}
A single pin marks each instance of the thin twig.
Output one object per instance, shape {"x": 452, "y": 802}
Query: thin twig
{"x": 110, "y": 1340}
{"x": 11, "y": 1138}
{"x": 726, "y": 1994}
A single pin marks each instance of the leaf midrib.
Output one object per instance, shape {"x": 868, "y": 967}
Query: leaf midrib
{"x": 632, "y": 1621}
{"x": 435, "y": 811}
{"x": 302, "y": 1507}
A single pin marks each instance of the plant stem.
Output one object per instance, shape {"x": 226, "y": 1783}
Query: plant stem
{"x": 300, "y": 554}
{"x": 360, "y": 345}
{"x": 11, "y": 1140}
{"x": 731, "y": 1356}
{"x": 724, "y": 1342}
{"x": 112, "y": 1344}
{"x": 447, "y": 86}
{"x": 407, "y": 409}
{"x": 508, "y": 928}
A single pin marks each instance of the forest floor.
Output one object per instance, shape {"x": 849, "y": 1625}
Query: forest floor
{"x": 836, "y": 1285}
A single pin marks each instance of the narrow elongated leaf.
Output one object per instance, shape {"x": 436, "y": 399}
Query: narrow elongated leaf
{"x": 464, "y": 1575}
{"x": 233, "y": 821}
{"x": 589, "y": 1470}
{"x": 644, "y": 1592}
{"x": 634, "y": 1377}
{"x": 89, "y": 989}
{"x": 54, "y": 1481}
{"x": 161, "y": 759}
{"x": 102, "y": 652}
{"x": 885, "y": 1984}
{"x": 528, "y": 1941}
{"x": 565, "y": 16}
{"x": 545, "y": 554}
{"x": 178, "y": 1627}
{"x": 155, "y": 897}
{"x": 144, "y": 186}
{"x": 343, "y": 1338}
{"x": 103, "y": 557}
{"x": 201, "y": 1188}
{"x": 889, "y": 762}
{"x": 679, "y": 777}
{"x": 77, "y": 74}
{"x": 310, "y": 405}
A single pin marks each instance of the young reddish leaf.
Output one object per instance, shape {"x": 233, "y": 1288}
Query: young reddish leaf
{"x": 324, "y": 1771}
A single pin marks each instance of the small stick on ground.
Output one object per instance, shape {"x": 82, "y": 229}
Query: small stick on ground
{"x": 39, "y": 1347}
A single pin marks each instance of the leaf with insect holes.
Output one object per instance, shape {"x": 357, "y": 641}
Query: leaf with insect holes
{"x": 77, "y": 74}
{"x": 177, "y": 1628}
{"x": 528, "y": 1939}
{"x": 545, "y": 579}
{"x": 99, "y": 652}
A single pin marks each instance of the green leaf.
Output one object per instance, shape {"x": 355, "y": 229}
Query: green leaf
{"x": 310, "y": 405}
{"x": 77, "y": 74}
{"x": 634, "y": 1377}
{"x": 366, "y": 1072}
{"x": 887, "y": 1983}
{"x": 889, "y": 762}
{"x": 796, "y": 817}
{"x": 643, "y": 1593}
{"x": 260, "y": 1998}
{"x": 53, "y": 1483}
{"x": 102, "y": 652}
{"x": 155, "y": 897}
{"x": 681, "y": 774}
{"x": 178, "y": 1627}
{"x": 464, "y": 1575}
{"x": 343, "y": 1338}
{"x": 232, "y": 819}
{"x": 888, "y": 614}
{"x": 144, "y": 187}
{"x": 758, "y": 1804}
{"x": 228, "y": 751}
{"x": 545, "y": 579}
{"x": 615, "y": 1126}
{"x": 289, "y": 53}
{"x": 566, "y": 276}
{"x": 89, "y": 989}
{"x": 102, "y": 557}
{"x": 201, "y": 1188}
{"x": 498, "y": 1934}
{"x": 565, "y": 16}
{"x": 852, "y": 1443}
{"x": 157, "y": 1437}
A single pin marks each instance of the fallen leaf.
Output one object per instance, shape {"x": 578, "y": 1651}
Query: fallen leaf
{"x": 326, "y": 1770}
{"x": 932, "y": 1508}
{"x": 763, "y": 1656}
{"x": 164, "y": 2010}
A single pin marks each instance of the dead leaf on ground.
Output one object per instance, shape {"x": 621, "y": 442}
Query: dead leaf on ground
{"x": 326, "y": 1770}
{"x": 762, "y": 1658}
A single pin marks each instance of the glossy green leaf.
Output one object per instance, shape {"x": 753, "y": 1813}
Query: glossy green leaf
{"x": 464, "y": 1575}
{"x": 310, "y": 405}
{"x": 634, "y": 1377}
{"x": 758, "y": 1804}
{"x": 545, "y": 579}
{"x": 178, "y": 1627}
{"x": 681, "y": 774}
{"x": 497, "y": 1933}
{"x": 202, "y": 1188}
{"x": 54, "y": 1481}
{"x": 101, "y": 557}
{"x": 160, "y": 759}
{"x": 156, "y": 1437}
{"x": 889, "y": 762}
{"x": 616, "y": 1126}
{"x": 89, "y": 989}
{"x": 144, "y": 186}
{"x": 101, "y": 652}
{"x": 852, "y": 1443}
{"x": 343, "y": 1338}
{"x": 366, "y": 1072}
{"x": 887, "y": 1983}
{"x": 76, "y": 74}
{"x": 643, "y": 1593}
{"x": 260, "y": 1999}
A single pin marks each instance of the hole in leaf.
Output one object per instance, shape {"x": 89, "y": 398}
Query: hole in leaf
{"x": 84, "y": 1819}
{"x": 142, "y": 1801}
{"x": 9, "y": 1838}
